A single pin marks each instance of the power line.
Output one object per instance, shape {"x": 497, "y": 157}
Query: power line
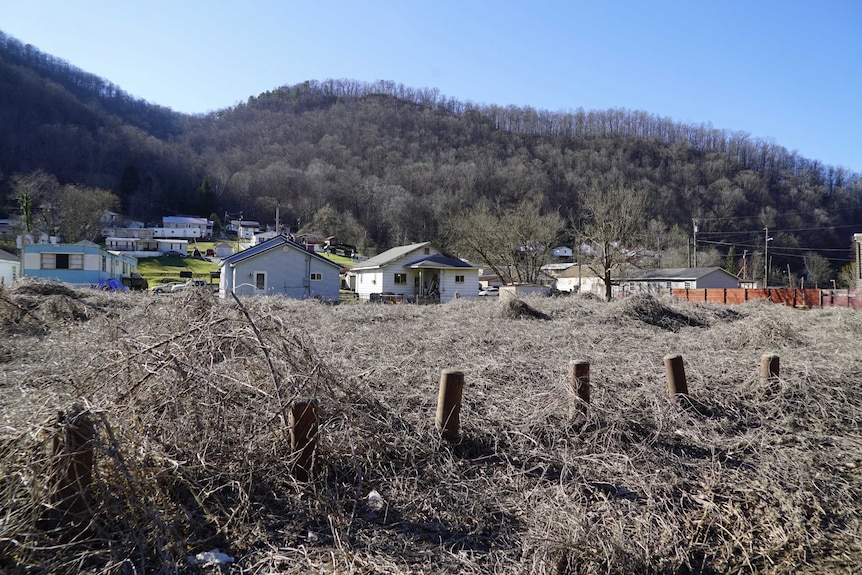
{"x": 816, "y": 228}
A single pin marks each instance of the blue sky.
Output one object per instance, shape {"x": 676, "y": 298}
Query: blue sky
{"x": 785, "y": 71}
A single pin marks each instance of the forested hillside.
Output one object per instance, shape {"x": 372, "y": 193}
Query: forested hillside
{"x": 381, "y": 164}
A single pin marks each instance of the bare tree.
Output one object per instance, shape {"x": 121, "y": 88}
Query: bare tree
{"x": 81, "y": 210}
{"x": 36, "y": 193}
{"x": 514, "y": 243}
{"x": 818, "y": 269}
{"x": 613, "y": 222}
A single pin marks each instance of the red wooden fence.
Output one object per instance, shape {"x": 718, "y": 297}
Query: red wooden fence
{"x": 792, "y": 297}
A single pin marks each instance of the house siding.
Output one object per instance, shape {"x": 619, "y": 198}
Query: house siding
{"x": 450, "y": 290}
{"x": 116, "y": 265}
{"x": 287, "y": 271}
{"x": 382, "y": 280}
{"x": 9, "y": 271}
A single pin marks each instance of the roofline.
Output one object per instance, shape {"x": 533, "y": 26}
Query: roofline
{"x": 284, "y": 240}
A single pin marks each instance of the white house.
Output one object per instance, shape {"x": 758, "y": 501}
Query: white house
{"x": 664, "y": 280}
{"x": 562, "y": 252}
{"x": 10, "y": 268}
{"x": 146, "y": 248}
{"x": 244, "y": 229}
{"x": 279, "y": 266}
{"x": 184, "y": 227}
{"x": 417, "y": 272}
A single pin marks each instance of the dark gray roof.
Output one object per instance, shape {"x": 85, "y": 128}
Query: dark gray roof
{"x": 671, "y": 274}
{"x": 6, "y": 256}
{"x": 389, "y": 256}
{"x": 438, "y": 261}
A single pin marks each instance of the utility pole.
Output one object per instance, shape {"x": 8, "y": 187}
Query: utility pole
{"x": 766, "y": 240}
{"x": 694, "y": 227}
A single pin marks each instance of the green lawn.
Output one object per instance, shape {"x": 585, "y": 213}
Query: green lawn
{"x": 164, "y": 269}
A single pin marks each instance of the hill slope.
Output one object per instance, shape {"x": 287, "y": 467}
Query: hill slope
{"x": 390, "y": 164}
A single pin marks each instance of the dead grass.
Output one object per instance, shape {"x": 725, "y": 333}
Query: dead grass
{"x": 189, "y": 398}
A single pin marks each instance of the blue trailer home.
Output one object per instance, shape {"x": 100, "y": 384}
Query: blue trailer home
{"x": 279, "y": 266}
{"x": 83, "y": 263}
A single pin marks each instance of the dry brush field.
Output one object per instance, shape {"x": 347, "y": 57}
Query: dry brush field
{"x": 188, "y": 399}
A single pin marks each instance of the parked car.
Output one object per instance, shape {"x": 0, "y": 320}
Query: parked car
{"x": 191, "y": 283}
{"x": 165, "y": 288}
{"x": 489, "y": 291}
{"x": 173, "y": 254}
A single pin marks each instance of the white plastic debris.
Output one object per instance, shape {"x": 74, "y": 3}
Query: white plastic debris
{"x": 375, "y": 501}
{"x": 213, "y": 557}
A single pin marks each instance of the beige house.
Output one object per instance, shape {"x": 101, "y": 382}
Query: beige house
{"x": 579, "y": 279}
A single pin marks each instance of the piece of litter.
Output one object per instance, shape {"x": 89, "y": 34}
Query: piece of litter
{"x": 375, "y": 501}
{"x": 213, "y": 557}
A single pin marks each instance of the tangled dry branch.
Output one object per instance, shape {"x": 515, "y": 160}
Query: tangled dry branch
{"x": 188, "y": 400}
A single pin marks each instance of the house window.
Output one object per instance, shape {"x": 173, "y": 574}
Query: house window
{"x": 459, "y": 279}
{"x": 427, "y": 251}
{"x": 668, "y": 285}
{"x": 62, "y": 261}
{"x": 260, "y": 280}
{"x": 316, "y": 277}
{"x": 687, "y": 285}
{"x": 104, "y": 264}
{"x": 400, "y": 279}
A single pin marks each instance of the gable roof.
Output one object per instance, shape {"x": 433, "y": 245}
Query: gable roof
{"x": 673, "y": 274}
{"x": 576, "y": 270}
{"x": 270, "y": 244}
{"x": 389, "y": 256}
{"x": 6, "y": 256}
{"x": 438, "y": 261}
{"x": 184, "y": 220}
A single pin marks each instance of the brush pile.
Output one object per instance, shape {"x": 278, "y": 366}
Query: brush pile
{"x": 144, "y": 434}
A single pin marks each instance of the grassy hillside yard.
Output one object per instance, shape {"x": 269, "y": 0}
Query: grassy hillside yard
{"x": 188, "y": 404}
{"x": 163, "y": 269}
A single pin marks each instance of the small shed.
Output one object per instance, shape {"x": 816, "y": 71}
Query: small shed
{"x": 223, "y": 250}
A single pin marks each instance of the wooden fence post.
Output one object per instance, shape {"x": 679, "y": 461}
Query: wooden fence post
{"x": 74, "y": 456}
{"x": 448, "y": 418}
{"x": 769, "y": 368}
{"x": 579, "y": 379}
{"x": 303, "y": 437}
{"x": 675, "y": 371}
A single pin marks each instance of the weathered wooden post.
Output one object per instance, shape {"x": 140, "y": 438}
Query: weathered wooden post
{"x": 303, "y": 437}
{"x": 769, "y": 368}
{"x": 73, "y": 453}
{"x": 675, "y": 371}
{"x": 449, "y": 404}
{"x": 579, "y": 379}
